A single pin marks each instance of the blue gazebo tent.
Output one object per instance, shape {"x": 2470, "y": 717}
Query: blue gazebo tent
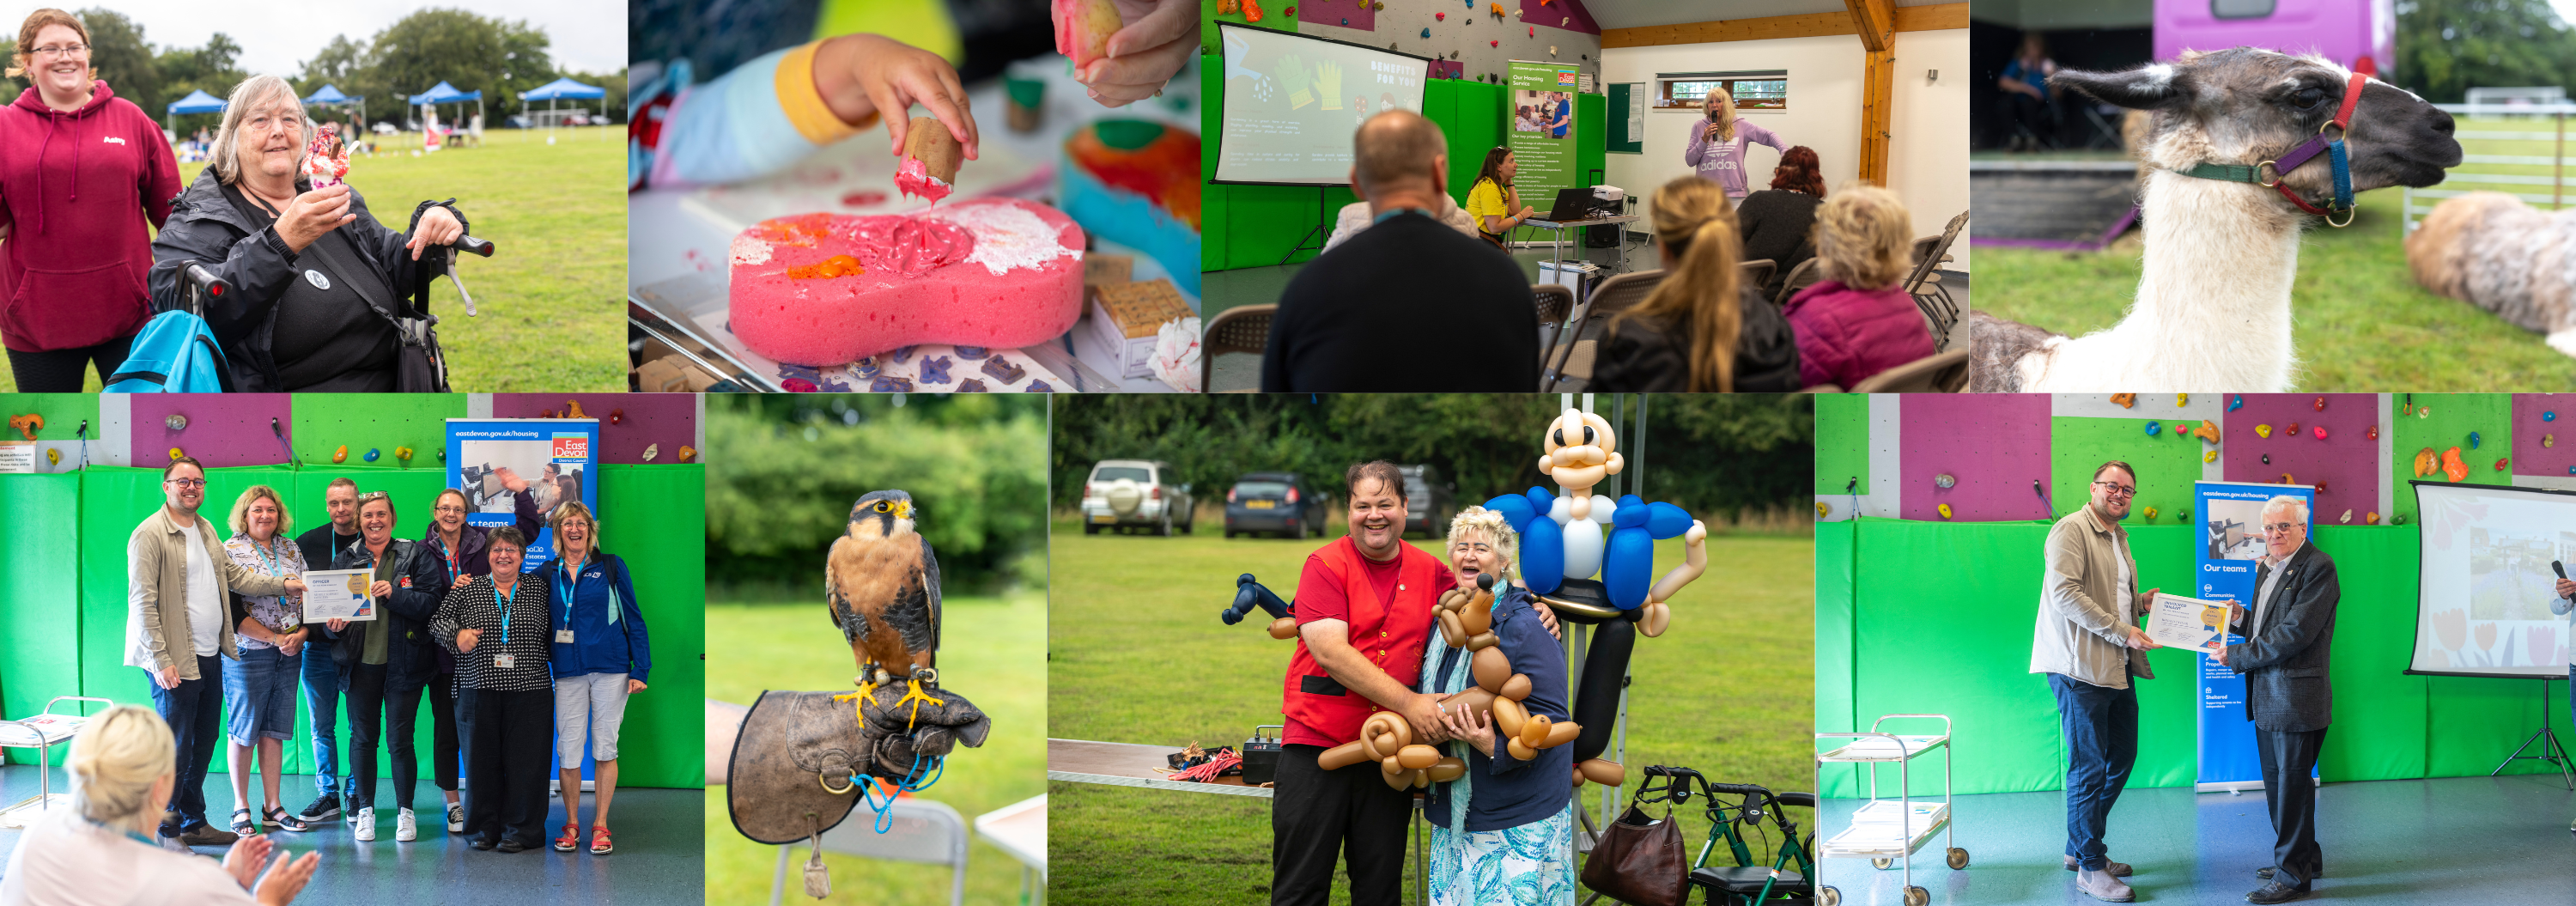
{"x": 561, "y": 89}
{"x": 196, "y": 102}
{"x": 445, "y": 93}
{"x": 330, "y": 96}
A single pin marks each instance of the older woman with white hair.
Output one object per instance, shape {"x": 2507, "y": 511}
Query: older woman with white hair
{"x": 317, "y": 283}
{"x": 1501, "y": 832}
{"x": 100, "y": 850}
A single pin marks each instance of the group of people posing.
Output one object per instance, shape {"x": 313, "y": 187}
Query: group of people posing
{"x": 1502, "y": 833}
{"x": 79, "y": 275}
{"x": 509, "y": 660}
{"x": 1407, "y": 261}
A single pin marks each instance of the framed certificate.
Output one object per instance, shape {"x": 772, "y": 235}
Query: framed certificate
{"x": 338, "y": 594}
{"x": 2180, "y": 622}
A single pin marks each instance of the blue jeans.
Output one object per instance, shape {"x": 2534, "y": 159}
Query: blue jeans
{"x": 195, "y": 713}
{"x": 2101, "y": 727}
{"x": 259, "y": 696}
{"x": 322, "y": 697}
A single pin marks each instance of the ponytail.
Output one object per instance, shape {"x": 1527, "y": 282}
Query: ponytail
{"x": 1699, "y": 296}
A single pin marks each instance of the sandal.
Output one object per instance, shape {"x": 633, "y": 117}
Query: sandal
{"x": 242, "y": 825}
{"x": 570, "y": 839}
{"x": 277, "y": 817}
{"x": 599, "y": 841}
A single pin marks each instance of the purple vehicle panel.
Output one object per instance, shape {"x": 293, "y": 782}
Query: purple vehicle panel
{"x": 2360, "y": 34}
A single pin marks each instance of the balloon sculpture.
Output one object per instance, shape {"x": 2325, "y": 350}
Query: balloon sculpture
{"x": 1564, "y": 540}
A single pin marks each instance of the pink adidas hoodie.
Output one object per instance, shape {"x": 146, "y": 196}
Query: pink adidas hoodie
{"x": 77, "y": 190}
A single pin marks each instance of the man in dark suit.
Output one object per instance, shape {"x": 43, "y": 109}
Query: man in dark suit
{"x": 2283, "y": 659}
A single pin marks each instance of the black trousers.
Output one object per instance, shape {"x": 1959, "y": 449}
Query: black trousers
{"x": 375, "y": 714}
{"x": 506, "y": 736}
{"x": 2288, "y": 757}
{"x": 62, "y": 370}
{"x": 1316, "y": 815}
{"x": 444, "y": 751}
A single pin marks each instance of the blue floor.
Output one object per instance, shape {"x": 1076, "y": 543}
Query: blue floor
{"x": 2493, "y": 842}
{"x": 660, "y": 857}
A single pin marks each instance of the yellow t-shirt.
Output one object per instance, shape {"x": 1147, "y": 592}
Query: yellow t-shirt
{"x": 1486, "y": 199}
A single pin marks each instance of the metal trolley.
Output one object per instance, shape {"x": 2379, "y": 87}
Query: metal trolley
{"x": 1888, "y": 831}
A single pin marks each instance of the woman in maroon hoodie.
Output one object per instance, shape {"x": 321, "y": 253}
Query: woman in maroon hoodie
{"x": 72, "y": 290}
{"x": 1858, "y": 322}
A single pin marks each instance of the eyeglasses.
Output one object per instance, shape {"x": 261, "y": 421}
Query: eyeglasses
{"x": 2117, "y": 489}
{"x": 67, "y": 50}
{"x": 187, "y": 483}
{"x": 375, "y": 495}
{"x": 2272, "y": 527}
{"x": 451, "y": 508}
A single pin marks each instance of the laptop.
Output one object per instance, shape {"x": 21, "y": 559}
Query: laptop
{"x": 1571, "y": 204}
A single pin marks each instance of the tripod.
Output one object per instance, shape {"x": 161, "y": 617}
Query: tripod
{"x": 1321, "y": 235}
{"x": 2550, "y": 750}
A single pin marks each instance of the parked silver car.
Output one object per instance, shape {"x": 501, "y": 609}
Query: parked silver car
{"x": 1134, "y": 493}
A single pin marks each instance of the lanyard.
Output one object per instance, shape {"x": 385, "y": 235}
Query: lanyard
{"x": 564, "y": 587}
{"x": 503, "y": 598}
{"x": 453, "y": 567}
{"x": 274, "y": 564}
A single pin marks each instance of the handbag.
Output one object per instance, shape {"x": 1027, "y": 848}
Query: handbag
{"x": 1640, "y": 860}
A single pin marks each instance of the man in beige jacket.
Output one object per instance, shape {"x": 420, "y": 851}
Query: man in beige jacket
{"x": 2089, "y": 644}
{"x": 178, "y": 579}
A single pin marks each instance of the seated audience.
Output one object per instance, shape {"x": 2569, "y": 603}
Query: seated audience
{"x": 1698, "y": 332}
{"x": 1778, "y": 221}
{"x": 1858, "y": 322}
{"x": 1357, "y": 318}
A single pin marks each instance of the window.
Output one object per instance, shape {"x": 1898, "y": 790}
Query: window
{"x": 1763, "y": 90}
{"x": 2240, "y": 9}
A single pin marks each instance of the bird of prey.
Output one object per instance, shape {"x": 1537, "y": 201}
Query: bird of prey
{"x": 882, "y": 582}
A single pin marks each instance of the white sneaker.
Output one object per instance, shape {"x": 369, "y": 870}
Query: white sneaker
{"x": 366, "y": 822}
{"x": 406, "y": 829}
{"x": 456, "y": 817}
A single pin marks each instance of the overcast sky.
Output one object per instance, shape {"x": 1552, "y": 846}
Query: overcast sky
{"x": 588, "y": 35}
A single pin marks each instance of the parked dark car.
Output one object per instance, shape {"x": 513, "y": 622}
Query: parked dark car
{"x": 1429, "y": 501}
{"x": 1275, "y": 502}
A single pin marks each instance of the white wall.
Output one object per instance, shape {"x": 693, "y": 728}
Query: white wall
{"x": 1928, "y": 148}
{"x": 1927, "y": 145}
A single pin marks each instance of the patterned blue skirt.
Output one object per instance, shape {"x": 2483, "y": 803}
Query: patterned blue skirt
{"x": 1529, "y": 865}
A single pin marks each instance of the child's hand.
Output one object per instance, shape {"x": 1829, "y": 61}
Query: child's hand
{"x": 1159, "y": 37}
{"x": 863, "y": 74}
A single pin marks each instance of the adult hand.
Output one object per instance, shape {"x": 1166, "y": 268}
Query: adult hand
{"x": 1470, "y": 725}
{"x": 465, "y": 639}
{"x": 438, "y": 226}
{"x": 312, "y": 214}
{"x": 1423, "y": 712}
{"x": 246, "y": 857}
{"x": 380, "y": 589}
{"x": 862, "y": 74}
{"x": 1159, "y": 37}
{"x": 1546, "y": 617}
{"x": 511, "y": 480}
{"x": 2147, "y": 599}
{"x": 168, "y": 677}
{"x": 1709, "y": 133}
{"x": 2139, "y": 639}
{"x": 1526, "y": 212}
{"x": 336, "y": 625}
{"x": 2219, "y": 655}
{"x": 2567, "y": 588}
{"x": 294, "y": 586}
{"x": 634, "y": 685}
{"x": 287, "y": 880}
{"x": 2235, "y": 613}
{"x": 290, "y": 643}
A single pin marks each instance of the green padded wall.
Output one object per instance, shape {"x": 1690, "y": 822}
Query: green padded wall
{"x": 663, "y": 742}
{"x": 2167, "y": 466}
{"x": 2452, "y": 416}
{"x": 39, "y": 578}
{"x": 1842, "y": 441}
{"x": 1960, "y": 645}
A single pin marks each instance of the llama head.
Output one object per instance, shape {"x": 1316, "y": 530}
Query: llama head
{"x": 2245, "y": 106}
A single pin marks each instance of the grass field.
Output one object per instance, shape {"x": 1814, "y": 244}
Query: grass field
{"x": 1138, "y": 655}
{"x": 2360, "y": 321}
{"x": 993, "y": 653}
{"x": 552, "y": 295}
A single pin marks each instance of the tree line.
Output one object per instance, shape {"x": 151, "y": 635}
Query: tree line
{"x": 2446, "y": 47}
{"x": 499, "y": 58}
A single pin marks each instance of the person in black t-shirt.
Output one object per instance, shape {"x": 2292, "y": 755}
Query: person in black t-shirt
{"x": 1355, "y": 318}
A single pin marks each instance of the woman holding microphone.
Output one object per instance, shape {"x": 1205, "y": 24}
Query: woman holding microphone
{"x": 1717, "y": 147}
{"x": 600, "y": 657}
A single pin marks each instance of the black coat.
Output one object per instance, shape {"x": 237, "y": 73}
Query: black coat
{"x": 411, "y": 658}
{"x": 2284, "y": 659}
{"x": 1779, "y": 225}
{"x": 1650, "y": 356}
{"x": 206, "y": 228}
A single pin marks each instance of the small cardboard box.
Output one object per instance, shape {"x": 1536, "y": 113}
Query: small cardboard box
{"x": 1126, "y": 317}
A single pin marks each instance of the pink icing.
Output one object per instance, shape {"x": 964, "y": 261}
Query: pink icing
{"x": 912, "y": 177}
{"x": 911, "y": 246}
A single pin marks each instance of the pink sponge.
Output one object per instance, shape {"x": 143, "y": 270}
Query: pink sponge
{"x": 823, "y": 289}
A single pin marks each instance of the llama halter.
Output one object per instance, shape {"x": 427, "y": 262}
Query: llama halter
{"x": 2306, "y": 151}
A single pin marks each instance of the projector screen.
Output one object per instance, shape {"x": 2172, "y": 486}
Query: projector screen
{"x": 2485, "y": 586}
{"x": 1292, "y": 102}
